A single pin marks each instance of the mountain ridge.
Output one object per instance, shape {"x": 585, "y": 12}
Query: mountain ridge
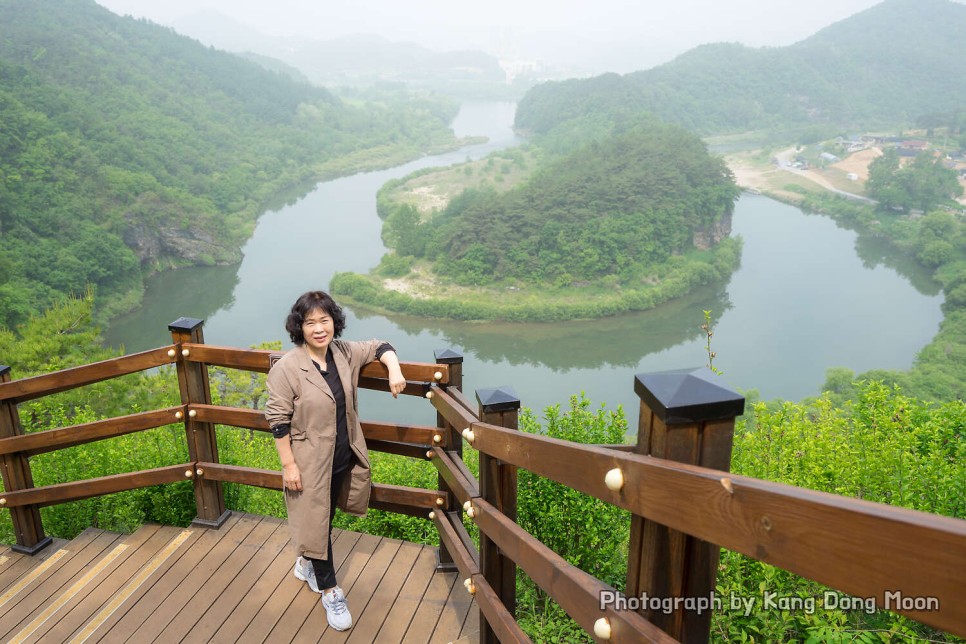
{"x": 126, "y": 148}
{"x": 867, "y": 70}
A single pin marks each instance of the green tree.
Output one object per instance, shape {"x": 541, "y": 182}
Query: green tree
{"x": 404, "y": 232}
{"x": 922, "y": 184}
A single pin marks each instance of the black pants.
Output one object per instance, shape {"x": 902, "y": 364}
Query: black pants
{"x": 325, "y": 568}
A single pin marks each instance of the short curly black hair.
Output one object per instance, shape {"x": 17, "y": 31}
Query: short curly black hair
{"x": 308, "y": 302}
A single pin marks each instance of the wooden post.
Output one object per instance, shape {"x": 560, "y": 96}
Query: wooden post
{"x": 686, "y": 416}
{"x": 444, "y": 560}
{"x": 498, "y": 486}
{"x": 27, "y": 525}
{"x": 202, "y": 441}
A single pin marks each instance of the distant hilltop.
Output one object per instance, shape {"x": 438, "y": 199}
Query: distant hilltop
{"x": 889, "y": 64}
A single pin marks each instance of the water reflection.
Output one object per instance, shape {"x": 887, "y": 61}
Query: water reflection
{"x": 615, "y": 341}
{"x": 290, "y": 196}
{"x": 875, "y": 251}
{"x": 196, "y": 292}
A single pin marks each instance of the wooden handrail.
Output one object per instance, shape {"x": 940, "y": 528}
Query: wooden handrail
{"x": 504, "y": 625}
{"x": 412, "y": 501}
{"x": 407, "y": 500}
{"x": 579, "y": 593}
{"x": 421, "y": 436}
{"x": 793, "y": 528}
{"x": 260, "y": 361}
{"x": 77, "y": 490}
{"x": 53, "y": 439}
{"x": 51, "y": 383}
{"x": 452, "y": 409}
{"x": 233, "y": 416}
{"x": 458, "y": 478}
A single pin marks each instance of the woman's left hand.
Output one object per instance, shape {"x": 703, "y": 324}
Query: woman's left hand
{"x": 396, "y": 382}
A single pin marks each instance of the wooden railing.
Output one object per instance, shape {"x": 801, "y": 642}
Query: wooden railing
{"x": 675, "y": 483}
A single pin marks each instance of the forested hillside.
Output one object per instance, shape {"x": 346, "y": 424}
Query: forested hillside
{"x": 619, "y": 224}
{"x": 615, "y": 207}
{"x": 886, "y": 65}
{"x": 126, "y": 148}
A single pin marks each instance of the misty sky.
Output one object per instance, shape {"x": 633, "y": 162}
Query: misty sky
{"x": 646, "y": 31}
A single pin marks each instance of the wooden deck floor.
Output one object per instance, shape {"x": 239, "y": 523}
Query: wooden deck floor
{"x": 235, "y": 584}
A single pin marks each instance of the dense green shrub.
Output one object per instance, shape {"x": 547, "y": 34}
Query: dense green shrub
{"x": 587, "y": 532}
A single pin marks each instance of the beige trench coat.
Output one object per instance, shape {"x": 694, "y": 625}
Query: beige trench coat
{"x": 299, "y": 395}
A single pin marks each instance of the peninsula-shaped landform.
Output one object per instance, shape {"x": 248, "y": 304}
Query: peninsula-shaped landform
{"x": 619, "y": 224}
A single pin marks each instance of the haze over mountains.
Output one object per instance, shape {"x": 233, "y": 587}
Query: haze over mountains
{"x": 582, "y": 37}
{"x": 361, "y": 59}
{"x": 890, "y": 64}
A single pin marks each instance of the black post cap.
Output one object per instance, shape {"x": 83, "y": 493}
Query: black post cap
{"x": 185, "y": 324}
{"x": 685, "y": 396}
{"x": 448, "y": 356}
{"x": 498, "y": 399}
{"x": 4, "y": 369}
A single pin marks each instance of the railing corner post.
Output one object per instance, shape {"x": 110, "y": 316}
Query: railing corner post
{"x": 202, "y": 440}
{"x": 498, "y": 487}
{"x": 687, "y": 416}
{"x": 453, "y": 358}
{"x": 27, "y": 524}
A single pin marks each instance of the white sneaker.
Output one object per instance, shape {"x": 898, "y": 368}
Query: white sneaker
{"x": 304, "y": 571}
{"x": 336, "y": 610}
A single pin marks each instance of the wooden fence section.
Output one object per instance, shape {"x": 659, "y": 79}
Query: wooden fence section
{"x": 675, "y": 483}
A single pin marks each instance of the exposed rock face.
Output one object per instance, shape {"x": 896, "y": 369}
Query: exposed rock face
{"x": 704, "y": 239}
{"x": 173, "y": 244}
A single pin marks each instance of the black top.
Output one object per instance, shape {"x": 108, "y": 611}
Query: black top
{"x": 342, "y": 456}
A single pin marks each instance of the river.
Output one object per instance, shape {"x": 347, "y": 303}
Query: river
{"x": 808, "y": 296}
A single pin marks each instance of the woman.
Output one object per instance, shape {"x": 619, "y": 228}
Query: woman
{"x": 313, "y": 412}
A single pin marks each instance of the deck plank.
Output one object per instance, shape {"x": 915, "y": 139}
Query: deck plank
{"x": 349, "y": 564}
{"x": 359, "y": 591}
{"x": 140, "y": 585}
{"x": 471, "y": 625}
{"x": 233, "y": 584}
{"x": 165, "y": 581}
{"x": 212, "y": 558}
{"x": 46, "y": 589}
{"x": 403, "y": 611}
{"x": 18, "y": 564}
{"x": 431, "y": 605}
{"x": 235, "y": 592}
{"x": 450, "y": 622}
{"x": 79, "y": 610}
{"x": 275, "y": 600}
{"x": 261, "y": 593}
{"x": 383, "y": 598}
{"x": 211, "y": 588}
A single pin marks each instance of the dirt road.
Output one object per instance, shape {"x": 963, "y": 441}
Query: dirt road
{"x": 754, "y": 177}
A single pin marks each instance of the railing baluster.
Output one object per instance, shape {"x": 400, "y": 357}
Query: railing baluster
{"x": 444, "y": 559}
{"x": 202, "y": 443}
{"x": 27, "y": 525}
{"x": 498, "y": 486}
{"x": 689, "y": 417}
